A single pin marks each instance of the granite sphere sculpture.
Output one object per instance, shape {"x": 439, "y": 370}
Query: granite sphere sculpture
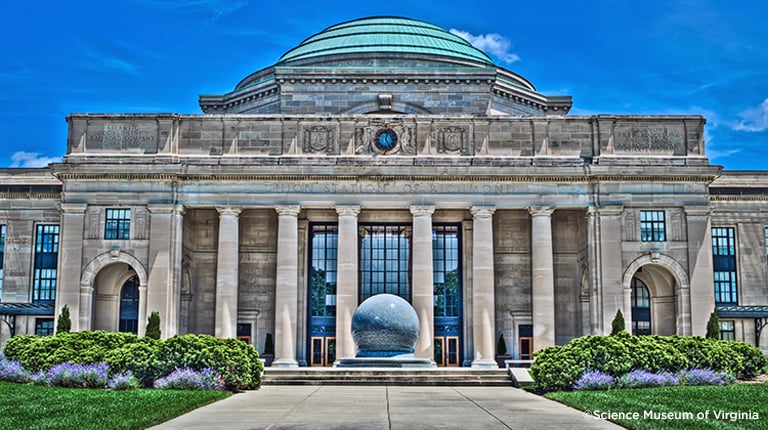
{"x": 385, "y": 325}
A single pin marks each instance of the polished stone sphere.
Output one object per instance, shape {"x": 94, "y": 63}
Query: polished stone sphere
{"x": 385, "y": 325}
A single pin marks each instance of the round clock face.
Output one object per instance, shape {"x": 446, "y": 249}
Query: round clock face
{"x": 385, "y": 140}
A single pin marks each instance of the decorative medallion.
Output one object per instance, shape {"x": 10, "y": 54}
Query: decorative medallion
{"x": 385, "y": 140}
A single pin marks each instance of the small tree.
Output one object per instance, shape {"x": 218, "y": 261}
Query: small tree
{"x": 64, "y": 323}
{"x": 153, "y": 326}
{"x": 501, "y": 346}
{"x": 618, "y": 325}
{"x": 713, "y": 326}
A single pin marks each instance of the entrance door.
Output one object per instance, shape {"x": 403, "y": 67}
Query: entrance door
{"x": 322, "y": 351}
{"x": 446, "y": 350}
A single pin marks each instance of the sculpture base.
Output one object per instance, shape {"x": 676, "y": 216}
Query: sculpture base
{"x": 384, "y": 362}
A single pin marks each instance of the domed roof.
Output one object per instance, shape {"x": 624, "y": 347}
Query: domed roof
{"x": 386, "y": 34}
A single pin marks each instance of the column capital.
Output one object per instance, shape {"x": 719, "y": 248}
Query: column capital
{"x": 422, "y": 210}
{"x": 482, "y": 211}
{"x": 290, "y": 210}
{"x": 536, "y": 211}
{"x": 72, "y": 208}
{"x": 348, "y": 210}
{"x": 229, "y": 211}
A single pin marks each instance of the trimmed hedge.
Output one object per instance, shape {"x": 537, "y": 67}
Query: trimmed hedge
{"x": 147, "y": 359}
{"x": 560, "y": 367}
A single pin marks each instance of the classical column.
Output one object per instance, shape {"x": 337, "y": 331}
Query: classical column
{"x": 346, "y": 280}
{"x": 161, "y": 294}
{"x": 69, "y": 291}
{"x": 287, "y": 286}
{"x": 227, "y": 272}
{"x": 483, "y": 303}
{"x": 142, "y": 315}
{"x": 422, "y": 279}
{"x": 542, "y": 264}
{"x": 696, "y": 302}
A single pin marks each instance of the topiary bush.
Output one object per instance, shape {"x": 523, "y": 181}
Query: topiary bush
{"x": 153, "y": 326}
{"x": 560, "y": 367}
{"x": 618, "y": 324}
{"x": 236, "y": 361}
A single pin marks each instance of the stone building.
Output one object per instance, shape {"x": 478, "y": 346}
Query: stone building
{"x": 385, "y": 155}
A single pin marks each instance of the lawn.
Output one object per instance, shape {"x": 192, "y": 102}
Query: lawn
{"x": 36, "y": 407}
{"x": 738, "y": 406}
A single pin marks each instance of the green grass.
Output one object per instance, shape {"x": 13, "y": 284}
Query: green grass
{"x": 34, "y": 407}
{"x": 694, "y": 400}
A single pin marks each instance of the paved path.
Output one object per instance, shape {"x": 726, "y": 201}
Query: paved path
{"x": 384, "y": 407}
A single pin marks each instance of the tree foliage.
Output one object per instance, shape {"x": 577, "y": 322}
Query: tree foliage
{"x": 153, "y": 326}
{"x": 713, "y": 326}
{"x": 618, "y": 325}
{"x": 64, "y": 323}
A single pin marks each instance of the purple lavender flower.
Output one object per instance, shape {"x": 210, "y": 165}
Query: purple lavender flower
{"x": 704, "y": 377}
{"x": 123, "y": 381}
{"x": 642, "y": 379}
{"x": 12, "y": 371}
{"x": 78, "y": 375}
{"x": 594, "y": 380}
{"x": 189, "y": 379}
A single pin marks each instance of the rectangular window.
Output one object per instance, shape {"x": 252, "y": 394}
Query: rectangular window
{"x": 446, "y": 264}
{"x": 727, "y": 330}
{"x": 385, "y": 260}
{"x": 323, "y": 271}
{"x": 46, "y": 263}
{"x": 44, "y": 326}
{"x": 118, "y": 224}
{"x": 2, "y": 258}
{"x": 724, "y": 265}
{"x": 652, "y": 227}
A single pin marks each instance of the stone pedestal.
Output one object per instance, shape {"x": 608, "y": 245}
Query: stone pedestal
{"x": 287, "y": 286}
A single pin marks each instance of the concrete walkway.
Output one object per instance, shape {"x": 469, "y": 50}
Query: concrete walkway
{"x": 385, "y": 407}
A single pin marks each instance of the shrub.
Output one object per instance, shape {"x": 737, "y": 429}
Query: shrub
{"x": 64, "y": 323}
{"x": 12, "y": 371}
{"x": 153, "y": 326}
{"x": 560, "y": 367}
{"x": 618, "y": 325}
{"x": 594, "y": 381}
{"x": 77, "y": 375}
{"x": 189, "y": 379}
{"x": 236, "y": 361}
{"x": 704, "y": 377}
{"x": 137, "y": 358}
{"x": 123, "y": 381}
{"x": 713, "y": 326}
{"x": 643, "y": 379}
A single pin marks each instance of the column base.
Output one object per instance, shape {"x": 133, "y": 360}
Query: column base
{"x": 485, "y": 364}
{"x": 285, "y": 362}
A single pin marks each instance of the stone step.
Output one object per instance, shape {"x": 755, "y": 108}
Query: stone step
{"x": 369, "y": 376}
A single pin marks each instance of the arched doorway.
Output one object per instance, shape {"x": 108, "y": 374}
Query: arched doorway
{"x": 641, "y": 308}
{"x": 129, "y": 306}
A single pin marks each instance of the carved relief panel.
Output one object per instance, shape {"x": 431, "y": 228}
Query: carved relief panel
{"x": 319, "y": 139}
{"x": 629, "y": 226}
{"x": 646, "y": 138}
{"x": 452, "y": 139}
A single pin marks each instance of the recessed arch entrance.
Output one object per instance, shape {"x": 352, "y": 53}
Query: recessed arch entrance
{"x": 656, "y": 294}
{"x": 113, "y": 294}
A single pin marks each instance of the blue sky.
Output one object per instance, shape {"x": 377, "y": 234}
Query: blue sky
{"x": 626, "y": 57}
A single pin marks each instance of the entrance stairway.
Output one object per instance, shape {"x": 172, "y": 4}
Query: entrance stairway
{"x": 440, "y": 376}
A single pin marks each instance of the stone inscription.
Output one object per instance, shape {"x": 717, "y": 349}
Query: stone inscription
{"x": 123, "y": 136}
{"x": 649, "y": 139}
{"x": 382, "y": 188}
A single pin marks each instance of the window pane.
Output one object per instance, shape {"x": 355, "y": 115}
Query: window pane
{"x": 724, "y": 265}
{"x": 117, "y": 225}
{"x": 45, "y": 264}
{"x": 652, "y": 226}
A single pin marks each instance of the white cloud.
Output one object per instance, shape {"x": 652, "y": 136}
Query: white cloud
{"x": 491, "y": 43}
{"x": 754, "y": 119}
{"x": 31, "y": 159}
{"x": 713, "y": 150}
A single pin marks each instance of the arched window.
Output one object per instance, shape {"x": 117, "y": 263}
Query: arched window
{"x": 641, "y": 308}
{"x": 129, "y": 306}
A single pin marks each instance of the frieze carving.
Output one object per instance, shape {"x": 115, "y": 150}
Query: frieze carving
{"x": 630, "y": 226}
{"x": 452, "y": 140}
{"x": 94, "y": 222}
{"x": 140, "y": 215}
{"x": 318, "y": 139}
{"x": 649, "y": 139}
{"x": 123, "y": 136}
{"x": 676, "y": 232}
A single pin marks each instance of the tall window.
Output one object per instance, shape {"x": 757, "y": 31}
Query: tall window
{"x": 44, "y": 326}
{"x": 323, "y": 270}
{"x": 385, "y": 260}
{"x": 46, "y": 262}
{"x": 641, "y": 308}
{"x": 118, "y": 224}
{"x": 652, "y": 227}
{"x": 445, "y": 259}
{"x": 2, "y": 257}
{"x": 727, "y": 330}
{"x": 724, "y": 265}
{"x": 129, "y": 306}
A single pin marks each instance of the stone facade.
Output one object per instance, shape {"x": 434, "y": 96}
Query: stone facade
{"x": 548, "y": 211}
